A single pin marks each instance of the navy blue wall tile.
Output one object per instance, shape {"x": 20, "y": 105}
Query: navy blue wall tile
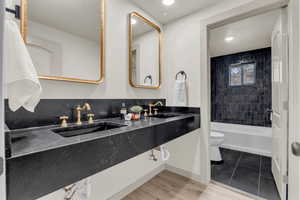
{"x": 245, "y": 105}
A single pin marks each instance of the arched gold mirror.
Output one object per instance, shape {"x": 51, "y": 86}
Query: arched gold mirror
{"x": 145, "y": 38}
{"x": 65, "y": 38}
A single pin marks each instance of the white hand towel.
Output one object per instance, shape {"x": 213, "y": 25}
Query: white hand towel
{"x": 23, "y": 86}
{"x": 180, "y": 93}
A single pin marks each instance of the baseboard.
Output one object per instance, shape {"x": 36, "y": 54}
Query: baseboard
{"x": 127, "y": 190}
{"x": 185, "y": 173}
{"x": 248, "y": 150}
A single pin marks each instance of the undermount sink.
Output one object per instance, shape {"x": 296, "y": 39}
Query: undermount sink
{"x": 86, "y": 129}
{"x": 164, "y": 116}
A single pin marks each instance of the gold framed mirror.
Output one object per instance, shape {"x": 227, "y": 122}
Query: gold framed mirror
{"x": 145, "y": 47}
{"x": 66, "y": 40}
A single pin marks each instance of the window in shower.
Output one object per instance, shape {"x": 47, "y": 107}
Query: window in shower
{"x": 249, "y": 74}
{"x": 235, "y": 76}
{"x": 242, "y": 74}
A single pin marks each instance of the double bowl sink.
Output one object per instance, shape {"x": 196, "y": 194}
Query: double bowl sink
{"x": 97, "y": 127}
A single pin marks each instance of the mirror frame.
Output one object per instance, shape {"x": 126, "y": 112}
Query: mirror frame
{"x": 24, "y": 33}
{"x": 130, "y": 34}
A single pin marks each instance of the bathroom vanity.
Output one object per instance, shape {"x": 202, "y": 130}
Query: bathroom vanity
{"x": 45, "y": 158}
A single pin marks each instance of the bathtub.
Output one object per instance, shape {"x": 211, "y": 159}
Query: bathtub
{"x": 251, "y": 139}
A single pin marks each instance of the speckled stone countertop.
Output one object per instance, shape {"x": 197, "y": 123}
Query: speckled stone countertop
{"x": 41, "y": 161}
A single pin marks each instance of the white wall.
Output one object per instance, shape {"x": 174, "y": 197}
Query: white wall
{"x": 148, "y": 61}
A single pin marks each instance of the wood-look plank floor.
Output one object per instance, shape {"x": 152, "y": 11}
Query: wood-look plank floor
{"x": 170, "y": 186}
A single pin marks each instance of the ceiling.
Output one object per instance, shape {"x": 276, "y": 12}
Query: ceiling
{"x": 165, "y": 14}
{"x": 81, "y": 18}
{"x": 249, "y": 34}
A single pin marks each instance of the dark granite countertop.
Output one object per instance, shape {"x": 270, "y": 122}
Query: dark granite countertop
{"x": 38, "y": 139}
{"x": 42, "y": 161}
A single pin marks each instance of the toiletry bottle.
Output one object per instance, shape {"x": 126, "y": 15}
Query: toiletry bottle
{"x": 123, "y": 111}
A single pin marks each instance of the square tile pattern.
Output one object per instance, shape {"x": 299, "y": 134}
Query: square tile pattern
{"x": 248, "y": 172}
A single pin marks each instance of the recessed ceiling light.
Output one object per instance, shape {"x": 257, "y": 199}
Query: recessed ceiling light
{"x": 168, "y": 2}
{"x": 229, "y": 39}
{"x": 133, "y": 21}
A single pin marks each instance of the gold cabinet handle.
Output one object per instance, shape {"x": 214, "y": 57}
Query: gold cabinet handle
{"x": 90, "y": 118}
{"x": 64, "y": 122}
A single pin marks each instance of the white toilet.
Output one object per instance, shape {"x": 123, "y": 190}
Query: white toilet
{"x": 216, "y": 139}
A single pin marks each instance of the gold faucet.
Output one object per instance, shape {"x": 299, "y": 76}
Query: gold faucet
{"x": 153, "y": 105}
{"x": 64, "y": 122}
{"x": 86, "y": 106}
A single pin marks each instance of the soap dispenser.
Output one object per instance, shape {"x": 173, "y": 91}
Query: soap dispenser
{"x": 123, "y": 111}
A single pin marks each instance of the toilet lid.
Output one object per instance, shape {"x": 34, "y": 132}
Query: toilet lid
{"x": 216, "y": 134}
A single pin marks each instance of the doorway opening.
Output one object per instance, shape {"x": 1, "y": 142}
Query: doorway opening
{"x": 248, "y": 79}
